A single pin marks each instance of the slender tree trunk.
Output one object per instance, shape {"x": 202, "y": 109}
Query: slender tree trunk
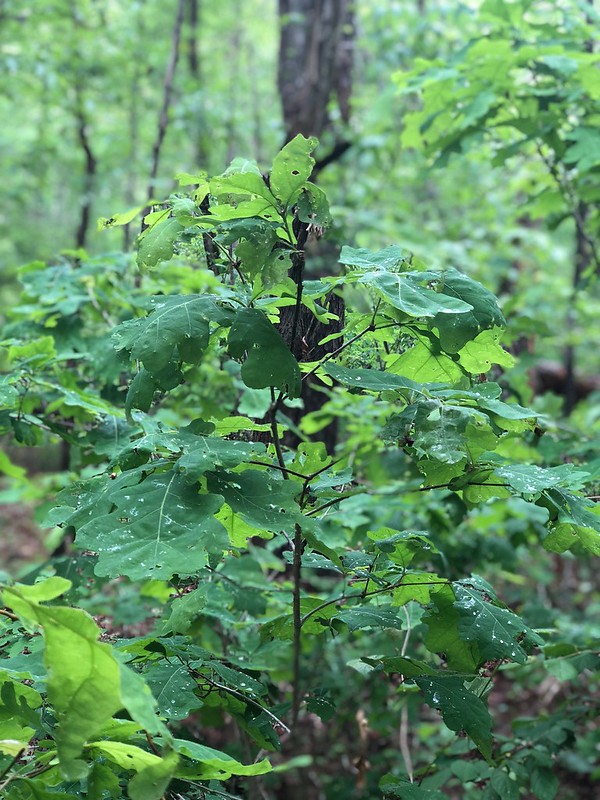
{"x": 315, "y": 68}
{"x": 583, "y": 260}
{"x": 193, "y": 60}
{"x": 91, "y": 166}
{"x": 315, "y": 63}
{"x": 235, "y": 43}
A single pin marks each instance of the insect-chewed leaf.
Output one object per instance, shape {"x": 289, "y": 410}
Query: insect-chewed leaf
{"x": 292, "y": 167}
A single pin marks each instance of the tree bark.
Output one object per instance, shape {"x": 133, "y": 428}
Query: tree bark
{"x": 315, "y": 63}
{"x": 316, "y": 55}
{"x": 91, "y": 165}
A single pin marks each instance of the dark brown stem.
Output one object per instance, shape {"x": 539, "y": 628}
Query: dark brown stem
{"x": 297, "y": 623}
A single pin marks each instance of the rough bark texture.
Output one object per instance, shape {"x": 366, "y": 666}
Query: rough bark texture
{"x": 315, "y": 70}
{"x": 315, "y": 63}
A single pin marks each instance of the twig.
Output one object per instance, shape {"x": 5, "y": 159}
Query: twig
{"x": 297, "y": 621}
{"x": 403, "y": 732}
{"x": 361, "y": 596}
{"x": 279, "y": 467}
{"x": 243, "y": 697}
{"x": 275, "y": 433}
{"x": 8, "y": 769}
{"x": 333, "y": 502}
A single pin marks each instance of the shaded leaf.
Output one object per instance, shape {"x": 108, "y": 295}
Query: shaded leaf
{"x": 268, "y": 360}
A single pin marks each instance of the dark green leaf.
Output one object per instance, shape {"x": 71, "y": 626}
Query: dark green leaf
{"x": 268, "y": 360}
{"x": 461, "y": 710}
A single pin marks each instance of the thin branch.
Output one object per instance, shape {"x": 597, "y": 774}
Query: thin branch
{"x": 361, "y": 596}
{"x": 297, "y": 622}
{"x": 275, "y": 433}
{"x": 403, "y": 732}
{"x": 11, "y": 764}
{"x": 278, "y": 466}
{"x": 243, "y": 697}
{"x": 333, "y": 502}
{"x": 370, "y": 328}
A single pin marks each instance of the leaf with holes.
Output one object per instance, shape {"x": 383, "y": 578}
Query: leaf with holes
{"x": 292, "y": 168}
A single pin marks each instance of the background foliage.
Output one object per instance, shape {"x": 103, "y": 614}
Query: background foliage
{"x": 423, "y": 623}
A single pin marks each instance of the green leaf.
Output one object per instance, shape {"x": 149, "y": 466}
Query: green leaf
{"x": 387, "y": 259}
{"x": 544, "y": 783}
{"x": 456, "y": 330}
{"x": 416, "y": 586}
{"x": 211, "y": 453}
{"x": 443, "y": 635}
{"x": 83, "y": 674}
{"x": 244, "y": 183}
{"x": 184, "y": 610}
{"x": 461, "y": 710}
{"x": 268, "y": 360}
{"x": 576, "y": 522}
{"x": 585, "y": 153}
{"x": 498, "y": 632}
{"x": 157, "y": 528}
{"x": 372, "y": 379}
{"x": 402, "y": 547}
{"x": 405, "y": 292}
{"x": 156, "y": 243}
{"x": 139, "y": 702}
{"x": 504, "y": 785}
{"x": 213, "y": 764}
{"x": 483, "y": 351}
{"x": 153, "y": 773}
{"x": 427, "y": 363}
{"x": 176, "y": 321}
{"x": 120, "y": 219}
{"x": 398, "y": 789}
{"x": 173, "y": 688}
{"x": 313, "y": 207}
{"x": 140, "y": 393}
{"x": 261, "y": 500}
{"x": 367, "y": 616}
{"x": 292, "y": 167}
{"x": 531, "y": 479}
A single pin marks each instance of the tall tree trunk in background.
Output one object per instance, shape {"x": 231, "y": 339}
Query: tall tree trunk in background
{"x": 315, "y": 68}
{"x": 193, "y": 61}
{"x": 315, "y": 63}
{"x": 585, "y": 255}
{"x": 91, "y": 165}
